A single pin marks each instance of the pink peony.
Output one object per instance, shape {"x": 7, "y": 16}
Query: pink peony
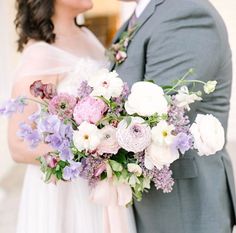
{"x": 134, "y": 137}
{"x": 89, "y": 109}
{"x": 62, "y": 105}
{"x": 109, "y": 142}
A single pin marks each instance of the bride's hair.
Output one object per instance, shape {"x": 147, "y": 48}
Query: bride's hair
{"x": 33, "y": 21}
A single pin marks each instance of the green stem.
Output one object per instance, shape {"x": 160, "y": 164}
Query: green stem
{"x": 36, "y": 101}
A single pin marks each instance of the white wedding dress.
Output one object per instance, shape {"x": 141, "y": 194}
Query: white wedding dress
{"x": 65, "y": 207}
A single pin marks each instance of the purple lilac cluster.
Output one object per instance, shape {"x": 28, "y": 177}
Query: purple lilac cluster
{"x": 120, "y": 100}
{"x": 178, "y": 118}
{"x": 162, "y": 179}
{"x": 13, "y": 106}
{"x": 84, "y": 90}
{"x": 89, "y": 168}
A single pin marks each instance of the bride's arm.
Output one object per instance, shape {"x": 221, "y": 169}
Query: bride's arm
{"x": 19, "y": 149}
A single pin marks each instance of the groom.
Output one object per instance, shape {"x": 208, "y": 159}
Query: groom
{"x": 172, "y": 37}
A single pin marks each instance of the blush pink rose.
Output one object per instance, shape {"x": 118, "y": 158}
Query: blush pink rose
{"x": 109, "y": 143}
{"x": 89, "y": 109}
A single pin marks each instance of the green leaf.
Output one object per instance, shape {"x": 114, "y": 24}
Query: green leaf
{"x": 149, "y": 80}
{"x": 103, "y": 176}
{"x": 120, "y": 157}
{"x": 118, "y": 174}
{"x": 48, "y": 175}
{"x": 117, "y": 167}
{"x": 128, "y": 120}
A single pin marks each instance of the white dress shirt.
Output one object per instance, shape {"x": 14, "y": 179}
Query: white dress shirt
{"x": 142, "y": 4}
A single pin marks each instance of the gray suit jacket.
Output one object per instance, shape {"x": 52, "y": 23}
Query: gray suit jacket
{"x": 174, "y": 36}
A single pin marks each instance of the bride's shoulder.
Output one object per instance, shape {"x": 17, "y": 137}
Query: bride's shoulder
{"x": 92, "y": 36}
{"x": 36, "y": 49}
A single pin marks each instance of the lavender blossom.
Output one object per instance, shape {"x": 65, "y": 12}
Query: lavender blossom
{"x": 61, "y": 141}
{"x": 49, "y": 124}
{"x": 84, "y": 90}
{"x": 13, "y": 106}
{"x": 35, "y": 117}
{"x": 183, "y": 142}
{"x": 71, "y": 172}
{"x": 29, "y": 135}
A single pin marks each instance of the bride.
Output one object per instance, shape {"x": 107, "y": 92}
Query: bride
{"x": 56, "y": 50}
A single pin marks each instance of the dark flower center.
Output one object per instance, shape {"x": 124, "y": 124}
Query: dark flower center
{"x": 63, "y": 105}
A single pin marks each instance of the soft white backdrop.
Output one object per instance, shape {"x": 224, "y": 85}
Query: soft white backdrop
{"x": 8, "y": 61}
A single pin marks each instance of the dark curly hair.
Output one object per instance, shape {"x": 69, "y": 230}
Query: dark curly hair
{"x": 33, "y": 21}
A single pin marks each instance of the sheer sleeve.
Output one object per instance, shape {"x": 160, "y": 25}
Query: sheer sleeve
{"x": 41, "y": 59}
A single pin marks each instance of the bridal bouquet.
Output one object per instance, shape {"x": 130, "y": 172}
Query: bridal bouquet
{"x": 119, "y": 140}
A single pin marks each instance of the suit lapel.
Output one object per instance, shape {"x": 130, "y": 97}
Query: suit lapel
{"x": 147, "y": 13}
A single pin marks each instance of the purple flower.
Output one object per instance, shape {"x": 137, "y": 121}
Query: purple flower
{"x": 177, "y": 117}
{"x": 84, "y": 90}
{"x": 13, "y": 106}
{"x": 163, "y": 179}
{"x": 61, "y": 141}
{"x": 30, "y": 135}
{"x": 62, "y": 105}
{"x": 71, "y": 172}
{"x": 126, "y": 91}
{"x": 183, "y": 142}
{"x": 89, "y": 169}
{"x": 35, "y": 117}
{"x": 49, "y": 124}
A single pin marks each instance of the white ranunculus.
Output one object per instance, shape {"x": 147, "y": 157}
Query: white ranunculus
{"x": 135, "y": 168}
{"x": 210, "y": 87}
{"x": 106, "y": 84}
{"x": 184, "y": 98}
{"x": 159, "y": 156}
{"x": 134, "y": 137}
{"x": 161, "y": 133}
{"x": 208, "y": 134}
{"x": 87, "y": 137}
{"x": 146, "y": 99}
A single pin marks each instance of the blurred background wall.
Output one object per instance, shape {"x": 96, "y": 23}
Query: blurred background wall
{"x": 103, "y": 20}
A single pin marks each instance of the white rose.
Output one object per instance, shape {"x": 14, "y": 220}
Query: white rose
{"x": 106, "y": 84}
{"x": 183, "y": 98}
{"x": 146, "y": 99}
{"x": 208, "y": 134}
{"x": 159, "y": 156}
{"x": 161, "y": 133}
{"x": 135, "y": 168}
{"x": 87, "y": 137}
{"x": 210, "y": 87}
